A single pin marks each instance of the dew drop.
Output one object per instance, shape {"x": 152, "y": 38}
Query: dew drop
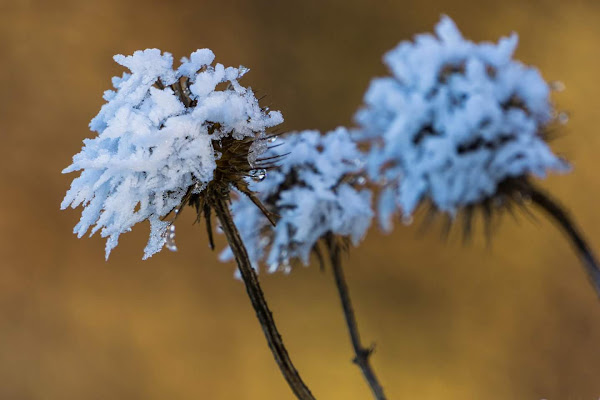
{"x": 272, "y": 139}
{"x": 407, "y": 220}
{"x": 170, "y": 236}
{"x": 285, "y": 266}
{"x": 258, "y": 175}
{"x": 361, "y": 180}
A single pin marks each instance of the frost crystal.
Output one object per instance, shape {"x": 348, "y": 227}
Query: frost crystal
{"x": 155, "y": 141}
{"x": 313, "y": 190}
{"x": 453, "y": 121}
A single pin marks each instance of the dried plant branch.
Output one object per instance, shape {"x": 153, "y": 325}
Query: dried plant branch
{"x": 553, "y": 208}
{"x": 362, "y": 353}
{"x": 259, "y": 303}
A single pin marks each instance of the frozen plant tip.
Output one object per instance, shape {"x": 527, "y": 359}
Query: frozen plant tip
{"x": 462, "y": 126}
{"x": 170, "y": 138}
{"x": 165, "y": 138}
{"x": 318, "y": 193}
{"x": 315, "y": 190}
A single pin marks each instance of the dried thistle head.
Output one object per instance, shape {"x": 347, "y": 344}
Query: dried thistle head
{"x": 167, "y": 138}
{"x": 458, "y": 125}
{"x": 233, "y": 169}
{"x": 316, "y": 191}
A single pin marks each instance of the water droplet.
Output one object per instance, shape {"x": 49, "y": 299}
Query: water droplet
{"x": 361, "y": 180}
{"x": 177, "y": 210}
{"x": 258, "y": 175}
{"x": 285, "y": 266}
{"x": 272, "y": 139}
{"x": 170, "y": 236}
{"x": 557, "y": 86}
{"x": 407, "y": 220}
{"x": 563, "y": 117}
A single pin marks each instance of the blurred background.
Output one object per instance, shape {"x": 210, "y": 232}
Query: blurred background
{"x": 515, "y": 319}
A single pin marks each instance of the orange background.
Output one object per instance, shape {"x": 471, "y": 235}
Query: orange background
{"x": 515, "y": 320}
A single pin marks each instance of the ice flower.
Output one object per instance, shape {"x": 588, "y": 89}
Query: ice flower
{"x": 457, "y": 123}
{"x": 166, "y": 138}
{"x": 315, "y": 190}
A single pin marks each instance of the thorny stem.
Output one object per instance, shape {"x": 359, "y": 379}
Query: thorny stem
{"x": 259, "y": 303}
{"x": 362, "y": 353}
{"x": 556, "y": 211}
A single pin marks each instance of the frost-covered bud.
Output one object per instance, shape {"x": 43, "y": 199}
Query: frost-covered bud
{"x": 455, "y": 122}
{"x": 315, "y": 190}
{"x": 164, "y": 137}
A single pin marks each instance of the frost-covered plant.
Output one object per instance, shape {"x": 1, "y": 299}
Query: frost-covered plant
{"x": 314, "y": 190}
{"x": 169, "y": 138}
{"x": 318, "y": 193}
{"x": 462, "y": 125}
{"x": 455, "y": 122}
{"x": 163, "y": 137}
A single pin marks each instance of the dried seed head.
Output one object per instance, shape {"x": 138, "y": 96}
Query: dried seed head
{"x": 315, "y": 191}
{"x": 166, "y": 138}
{"x": 455, "y": 125}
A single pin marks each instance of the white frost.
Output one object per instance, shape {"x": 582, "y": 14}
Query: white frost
{"x": 150, "y": 148}
{"x": 312, "y": 192}
{"x": 454, "y": 119}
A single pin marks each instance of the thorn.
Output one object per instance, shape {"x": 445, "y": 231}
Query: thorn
{"x": 207, "y": 217}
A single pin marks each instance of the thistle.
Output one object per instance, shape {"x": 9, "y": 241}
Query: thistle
{"x": 169, "y": 138}
{"x": 315, "y": 190}
{"x": 318, "y": 193}
{"x": 462, "y": 126}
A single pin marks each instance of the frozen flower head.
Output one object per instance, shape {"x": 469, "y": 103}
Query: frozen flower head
{"x": 166, "y": 138}
{"x": 315, "y": 191}
{"x": 458, "y": 123}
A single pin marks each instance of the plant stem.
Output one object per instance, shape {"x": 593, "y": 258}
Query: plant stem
{"x": 259, "y": 303}
{"x": 362, "y": 353}
{"x": 560, "y": 216}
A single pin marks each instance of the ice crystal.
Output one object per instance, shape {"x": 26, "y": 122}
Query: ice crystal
{"x": 156, "y": 141}
{"x": 314, "y": 190}
{"x": 453, "y": 121}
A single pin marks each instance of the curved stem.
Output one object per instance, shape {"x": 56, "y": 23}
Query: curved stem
{"x": 259, "y": 303}
{"x": 362, "y": 353}
{"x": 560, "y": 216}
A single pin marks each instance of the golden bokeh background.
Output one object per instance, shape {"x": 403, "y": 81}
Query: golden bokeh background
{"x": 513, "y": 320}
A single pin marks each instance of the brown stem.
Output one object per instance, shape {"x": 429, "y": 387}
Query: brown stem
{"x": 362, "y": 353}
{"x": 560, "y": 216}
{"x": 259, "y": 303}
